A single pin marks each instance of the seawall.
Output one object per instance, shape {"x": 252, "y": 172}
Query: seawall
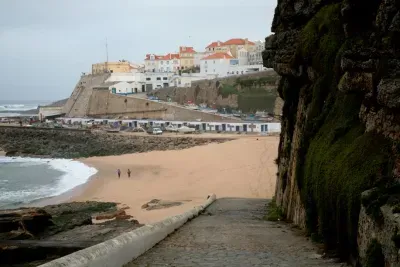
{"x": 103, "y": 104}
{"x": 121, "y": 250}
{"x": 67, "y": 143}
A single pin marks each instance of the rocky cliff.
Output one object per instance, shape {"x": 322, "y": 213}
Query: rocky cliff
{"x": 63, "y": 143}
{"x": 249, "y": 92}
{"x": 339, "y": 163}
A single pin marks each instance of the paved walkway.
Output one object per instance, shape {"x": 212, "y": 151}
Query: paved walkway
{"x": 232, "y": 233}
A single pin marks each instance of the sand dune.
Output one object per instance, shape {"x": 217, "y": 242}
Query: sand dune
{"x": 240, "y": 168}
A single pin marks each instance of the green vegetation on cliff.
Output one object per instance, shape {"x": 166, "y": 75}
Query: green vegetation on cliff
{"x": 336, "y": 160}
{"x": 252, "y": 93}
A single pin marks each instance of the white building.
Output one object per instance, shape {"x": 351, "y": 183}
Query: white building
{"x": 138, "y": 82}
{"x": 243, "y": 56}
{"x": 217, "y": 63}
{"x": 199, "y": 55}
{"x": 223, "y": 64}
{"x": 255, "y": 57}
{"x": 126, "y": 77}
{"x": 157, "y": 80}
{"x": 169, "y": 63}
{"x": 125, "y": 88}
{"x": 151, "y": 62}
{"x": 186, "y": 79}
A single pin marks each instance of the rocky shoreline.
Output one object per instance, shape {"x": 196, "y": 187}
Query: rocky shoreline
{"x": 33, "y": 236}
{"x": 65, "y": 143}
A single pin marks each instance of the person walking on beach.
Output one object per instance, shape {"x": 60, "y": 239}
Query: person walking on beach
{"x": 119, "y": 173}
{"x": 129, "y": 173}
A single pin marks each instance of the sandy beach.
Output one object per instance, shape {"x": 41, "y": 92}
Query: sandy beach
{"x": 240, "y": 168}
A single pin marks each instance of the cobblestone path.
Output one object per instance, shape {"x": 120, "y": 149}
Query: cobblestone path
{"x": 232, "y": 233}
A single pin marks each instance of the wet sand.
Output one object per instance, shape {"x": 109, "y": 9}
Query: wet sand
{"x": 242, "y": 168}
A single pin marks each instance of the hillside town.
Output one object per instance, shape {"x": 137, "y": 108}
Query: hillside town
{"x": 150, "y": 99}
{"x": 179, "y": 69}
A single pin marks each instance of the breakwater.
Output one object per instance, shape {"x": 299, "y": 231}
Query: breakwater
{"x": 67, "y": 143}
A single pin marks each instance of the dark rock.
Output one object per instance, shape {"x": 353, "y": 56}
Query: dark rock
{"x": 389, "y": 93}
{"x": 340, "y": 68}
{"x": 39, "y": 235}
{"x": 63, "y": 143}
{"x": 31, "y": 221}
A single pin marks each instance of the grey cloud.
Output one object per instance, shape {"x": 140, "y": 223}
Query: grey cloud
{"x": 46, "y": 44}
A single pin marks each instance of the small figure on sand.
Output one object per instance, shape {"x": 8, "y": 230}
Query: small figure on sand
{"x": 129, "y": 173}
{"x": 119, "y": 173}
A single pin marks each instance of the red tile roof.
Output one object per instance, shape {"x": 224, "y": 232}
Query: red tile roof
{"x": 214, "y": 44}
{"x": 186, "y": 49}
{"x": 156, "y": 57}
{"x": 237, "y": 41}
{"x": 170, "y": 56}
{"x": 218, "y": 56}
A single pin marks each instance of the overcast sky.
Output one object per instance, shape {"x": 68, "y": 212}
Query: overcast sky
{"x": 46, "y": 44}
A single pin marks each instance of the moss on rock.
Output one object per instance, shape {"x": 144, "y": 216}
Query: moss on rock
{"x": 274, "y": 213}
{"x": 374, "y": 255}
{"x": 337, "y": 159}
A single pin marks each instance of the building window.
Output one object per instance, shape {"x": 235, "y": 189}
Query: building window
{"x": 214, "y": 62}
{"x": 167, "y": 62}
{"x": 162, "y": 62}
{"x": 165, "y": 78}
{"x": 148, "y": 79}
{"x": 158, "y": 78}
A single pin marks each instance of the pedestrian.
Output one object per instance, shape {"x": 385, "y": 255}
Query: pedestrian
{"x": 119, "y": 173}
{"x": 129, "y": 173}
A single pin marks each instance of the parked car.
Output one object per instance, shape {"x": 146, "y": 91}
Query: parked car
{"x": 154, "y": 130}
{"x": 171, "y": 128}
{"x": 185, "y": 129}
{"x": 157, "y": 130}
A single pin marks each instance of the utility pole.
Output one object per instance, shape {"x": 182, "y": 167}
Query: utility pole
{"x": 106, "y": 65}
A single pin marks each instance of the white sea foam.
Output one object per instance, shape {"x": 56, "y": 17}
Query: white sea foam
{"x": 17, "y": 107}
{"x": 74, "y": 173}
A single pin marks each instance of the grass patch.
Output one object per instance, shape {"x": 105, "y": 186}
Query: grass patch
{"x": 274, "y": 213}
{"x": 226, "y": 90}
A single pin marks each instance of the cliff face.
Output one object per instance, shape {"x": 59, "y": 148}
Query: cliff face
{"x": 340, "y": 68}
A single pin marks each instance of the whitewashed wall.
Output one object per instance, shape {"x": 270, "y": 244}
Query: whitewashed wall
{"x": 249, "y": 127}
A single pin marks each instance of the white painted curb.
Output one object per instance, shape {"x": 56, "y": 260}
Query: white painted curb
{"x": 121, "y": 250}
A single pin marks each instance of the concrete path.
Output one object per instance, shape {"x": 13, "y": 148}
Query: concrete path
{"x": 232, "y": 233}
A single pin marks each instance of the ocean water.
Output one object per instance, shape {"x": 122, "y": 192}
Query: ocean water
{"x": 25, "y": 180}
{"x": 10, "y": 108}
